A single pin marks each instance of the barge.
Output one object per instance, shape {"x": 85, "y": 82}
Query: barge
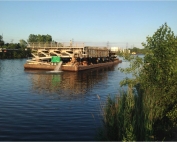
{"x": 75, "y": 58}
{"x": 70, "y": 67}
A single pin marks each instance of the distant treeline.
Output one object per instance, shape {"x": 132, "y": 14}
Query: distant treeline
{"x": 14, "y": 53}
{"x": 39, "y": 38}
{"x": 19, "y": 50}
{"x": 138, "y": 50}
{"x": 14, "y": 50}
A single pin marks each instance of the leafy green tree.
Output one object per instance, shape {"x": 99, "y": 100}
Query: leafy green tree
{"x": 39, "y": 38}
{"x": 1, "y": 38}
{"x": 139, "y": 50}
{"x": 32, "y": 38}
{"x": 154, "y": 87}
{"x": 158, "y": 78}
{"x": 1, "y": 41}
{"x": 48, "y": 38}
{"x": 13, "y": 46}
{"x": 135, "y": 49}
{"x": 44, "y": 38}
{"x": 23, "y": 43}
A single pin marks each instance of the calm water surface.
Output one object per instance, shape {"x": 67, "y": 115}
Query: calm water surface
{"x": 36, "y": 105}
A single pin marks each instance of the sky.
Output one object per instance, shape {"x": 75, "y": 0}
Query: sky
{"x": 110, "y": 23}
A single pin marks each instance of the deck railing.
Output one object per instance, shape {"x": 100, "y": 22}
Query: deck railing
{"x": 54, "y": 45}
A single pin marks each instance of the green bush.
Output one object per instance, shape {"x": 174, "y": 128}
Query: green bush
{"x": 148, "y": 110}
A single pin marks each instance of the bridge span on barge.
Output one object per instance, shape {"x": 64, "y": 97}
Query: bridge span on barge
{"x": 74, "y": 57}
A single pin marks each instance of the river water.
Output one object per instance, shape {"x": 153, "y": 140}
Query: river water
{"x": 38, "y": 105}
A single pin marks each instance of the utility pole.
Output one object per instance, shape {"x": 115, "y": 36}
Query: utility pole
{"x": 108, "y": 44}
{"x": 126, "y": 45}
{"x": 72, "y": 41}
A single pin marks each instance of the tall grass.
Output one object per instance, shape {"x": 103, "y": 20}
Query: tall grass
{"x": 125, "y": 120}
{"x": 150, "y": 113}
{"x": 131, "y": 116}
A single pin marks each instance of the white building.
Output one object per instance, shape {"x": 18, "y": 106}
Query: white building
{"x": 115, "y": 49}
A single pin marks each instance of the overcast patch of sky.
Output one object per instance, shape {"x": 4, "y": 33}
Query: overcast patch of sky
{"x": 100, "y": 21}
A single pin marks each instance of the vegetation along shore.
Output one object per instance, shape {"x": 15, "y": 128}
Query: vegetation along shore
{"x": 148, "y": 109}
{"x": 20, "y": 50}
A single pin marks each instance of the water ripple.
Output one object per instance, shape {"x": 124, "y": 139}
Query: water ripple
{"x": 36, "y": 105}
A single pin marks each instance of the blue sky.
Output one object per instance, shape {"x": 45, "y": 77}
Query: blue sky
{"x": 121, "y": 23}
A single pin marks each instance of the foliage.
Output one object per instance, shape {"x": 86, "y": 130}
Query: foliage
{"x": 11, "y": 54}
{"x": 158, "y": 79}
{"x": 124, "y": 118}
{"x": 134, "y": 68}
{"x": 1, "y": 41}
{"x": 139, "y": 50}
{"x": 39, "y": 38}
{"x": 151, "y": 98}
{"x": 23, "y": 43}
{"x": 14, "y": 50}
{"x": 11, "y": 46}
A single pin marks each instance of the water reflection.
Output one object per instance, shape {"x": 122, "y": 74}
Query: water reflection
{"x": 67, "y": 85}
{"x": 36, "y": 105}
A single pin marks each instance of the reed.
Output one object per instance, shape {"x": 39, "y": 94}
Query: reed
{"x": 135, "y": 116}
{"x": 149, "y": 112}
{"x": 125, "y": 120}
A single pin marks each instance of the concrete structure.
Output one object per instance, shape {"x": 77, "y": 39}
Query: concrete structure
{"x": 115, "y": 49}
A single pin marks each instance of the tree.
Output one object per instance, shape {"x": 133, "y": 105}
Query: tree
{"x": 1, "y": 41}
{"x": 139, "y": 50}
{"x": 32, "y": 38}
{"x": 135, "y": 49}
{"x": 43, "y": 38}
{"x": 155, "y": 82}
{"x": 159, "y": 75}
{"x": 48, "y": 38}
{"x": 39, "y": 38}
{"x": 23, "y": 43}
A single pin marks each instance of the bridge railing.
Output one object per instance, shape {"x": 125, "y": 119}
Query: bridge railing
{"x": 53, "y": 44}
